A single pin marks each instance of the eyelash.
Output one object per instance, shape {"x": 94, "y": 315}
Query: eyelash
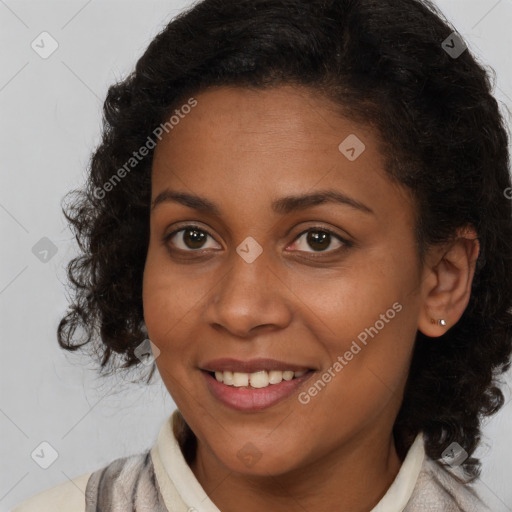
{"x": 346, "y": 243}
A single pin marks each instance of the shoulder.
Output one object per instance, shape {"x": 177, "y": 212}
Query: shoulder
{"x": 440, "y": 488}
{"x": 74, "y": 495}
{"x": 67, "y": 496}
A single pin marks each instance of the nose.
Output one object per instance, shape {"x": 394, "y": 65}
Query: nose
{"x": 250, "y": 297}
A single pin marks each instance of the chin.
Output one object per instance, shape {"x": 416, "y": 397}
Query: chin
{"x": 264, "y": 467}
{"x": 265, "y": 458}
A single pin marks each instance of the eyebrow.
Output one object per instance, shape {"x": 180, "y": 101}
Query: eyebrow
{"x": 282, "y": 206}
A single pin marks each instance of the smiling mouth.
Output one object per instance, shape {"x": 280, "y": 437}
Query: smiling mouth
{"x": 256, "y": 380}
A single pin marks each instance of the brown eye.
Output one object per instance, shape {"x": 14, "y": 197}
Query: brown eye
{"x": 320, "y": 239}
{"x": 193, "y": 238}
{"x": 188, "y": 238}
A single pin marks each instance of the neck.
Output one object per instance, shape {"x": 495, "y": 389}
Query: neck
{"x": 354, "y": 477}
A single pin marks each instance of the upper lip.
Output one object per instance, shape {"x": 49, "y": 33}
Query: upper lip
{"x": 250, "y": 366}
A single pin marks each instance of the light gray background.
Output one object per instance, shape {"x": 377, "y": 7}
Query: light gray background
{"x": 50, "y": 122}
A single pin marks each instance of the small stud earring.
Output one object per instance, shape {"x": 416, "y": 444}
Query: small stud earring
{"x": 442, "y": 322}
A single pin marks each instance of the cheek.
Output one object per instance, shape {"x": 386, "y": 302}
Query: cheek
{"x": 353, "y": 298}
{"x": 166, "y": 304}
{"x": 366, "y": 320}
{"x": 165, "y": 299}
{"x": 173, "y": 298}
{"x": 365, "y": 374}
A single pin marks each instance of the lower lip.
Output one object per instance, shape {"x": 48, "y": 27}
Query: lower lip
{"x": 252, "y": 399}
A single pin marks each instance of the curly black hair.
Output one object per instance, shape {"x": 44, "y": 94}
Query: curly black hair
{"x": 385, "y": 63}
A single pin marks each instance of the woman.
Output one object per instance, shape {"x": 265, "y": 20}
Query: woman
{"x": 298, "y": 211}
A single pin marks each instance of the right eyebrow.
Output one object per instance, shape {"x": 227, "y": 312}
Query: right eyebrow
{"x": 190, "y": 200}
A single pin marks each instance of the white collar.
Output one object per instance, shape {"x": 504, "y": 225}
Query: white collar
{"x": 177, "y": 482}
{"x": 400, "y": 491}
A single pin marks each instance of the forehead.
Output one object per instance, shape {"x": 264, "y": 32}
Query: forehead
{"x": 269, "y": 143}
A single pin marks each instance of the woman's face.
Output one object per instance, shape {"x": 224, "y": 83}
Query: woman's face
{"x": 301, "y": 257}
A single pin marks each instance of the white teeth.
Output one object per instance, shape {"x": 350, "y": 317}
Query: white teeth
{"x": 260, "y": 379}
{"x": 240, "y": 379}
{"x": 275, "y": 376}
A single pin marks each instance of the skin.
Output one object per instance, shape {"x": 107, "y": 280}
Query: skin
{"x": 242, "y": 149}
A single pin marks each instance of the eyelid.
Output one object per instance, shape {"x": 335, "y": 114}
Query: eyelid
{"x": 184, "y": 227}
{"x": 344, "y": 241}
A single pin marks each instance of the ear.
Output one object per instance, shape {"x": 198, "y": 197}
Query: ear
{"x": 446, "y": 284}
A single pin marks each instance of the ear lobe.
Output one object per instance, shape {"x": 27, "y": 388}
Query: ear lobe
{"x": 447, "y": 289}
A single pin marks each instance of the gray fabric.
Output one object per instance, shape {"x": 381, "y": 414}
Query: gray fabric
{"x": 129, "y": 484}
{"x": 126, "y": 484}
{"x": 437, "y": 489}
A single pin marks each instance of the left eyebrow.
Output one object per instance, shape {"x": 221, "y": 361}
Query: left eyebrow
{"x": 290, "y": 204}
{"x": 282, "y": 206}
